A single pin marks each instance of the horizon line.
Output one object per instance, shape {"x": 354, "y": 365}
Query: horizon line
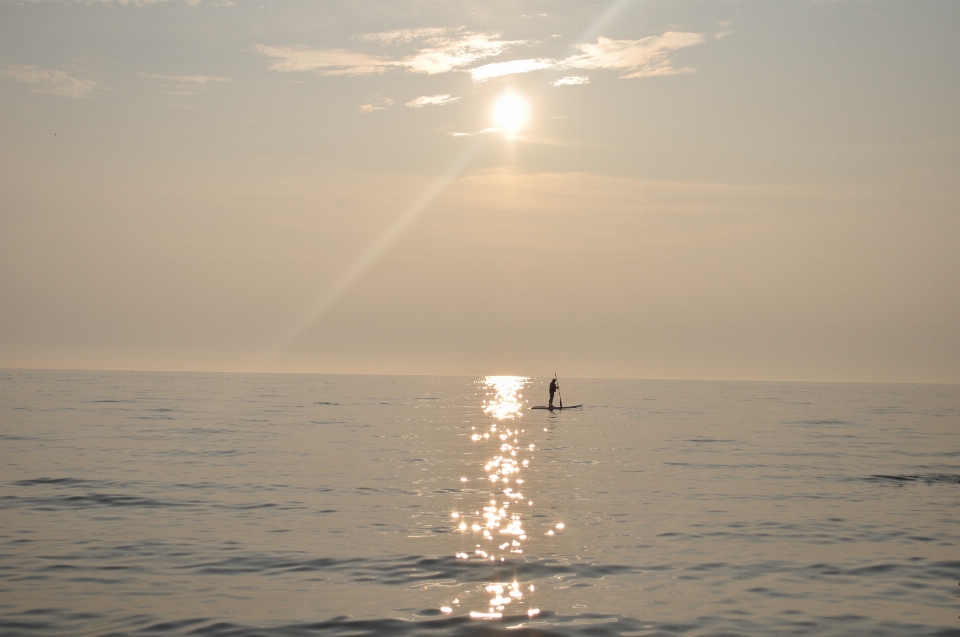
{"x": 643, "y": 378}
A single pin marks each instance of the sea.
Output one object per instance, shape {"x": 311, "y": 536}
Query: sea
{"x": 147, "y": 503}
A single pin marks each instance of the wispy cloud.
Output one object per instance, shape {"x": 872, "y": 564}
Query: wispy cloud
{"x": 572, "y": 80}
{"x": 50, "y": 81}
{"x": 636, "y": 58}
{"x": 479, "y": 132}
{"x": 400, "y": 36}
{"x": 447, "y": 53}
{"x": 645, "y": 57}
{"x": 438, "y": 50}
{"x": 379, "y": 105}
{"x": 187, "y": 79}
{"x": 441, "y": 50}
{"x": 721, "y": 35}
{"x": 432, "y": 100}
{"x": 288, "y": 59}
{"x": 498, "y": 69}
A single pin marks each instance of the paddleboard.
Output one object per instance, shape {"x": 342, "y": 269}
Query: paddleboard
{"x": 556, "y": 407}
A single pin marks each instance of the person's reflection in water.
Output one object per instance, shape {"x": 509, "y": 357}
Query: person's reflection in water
{"x": 553, "y": 390}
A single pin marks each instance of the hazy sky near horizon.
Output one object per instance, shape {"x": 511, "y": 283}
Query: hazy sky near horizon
{"x": 709, "y": 189}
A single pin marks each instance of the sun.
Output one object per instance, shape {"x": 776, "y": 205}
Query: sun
{"x": 510, "y": 113}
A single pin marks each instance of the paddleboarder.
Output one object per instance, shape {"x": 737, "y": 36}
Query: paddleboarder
{"x": 553, "y": 389}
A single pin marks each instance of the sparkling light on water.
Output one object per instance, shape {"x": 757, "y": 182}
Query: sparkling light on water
{"x": 506, "y": 396}
{"x": 500, "y": 529}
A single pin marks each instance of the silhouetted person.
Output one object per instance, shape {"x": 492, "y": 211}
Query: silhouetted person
{"x": 553, "y": 390}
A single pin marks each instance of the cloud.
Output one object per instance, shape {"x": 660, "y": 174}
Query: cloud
{"x": 498, "y": 69}
{"x": 187, "y": 79}
{"x": 572, "y": 80}
{"x": 324, "y": 61}
{"x": 722, "y": 34}
{"x": 406, "y": 35}
{"x": 184, "y": 84}
{"x": 432, "y": 100}
{"x": 646, "y": 57}
{"x": 441, "y": 54}
{"x": 438, "y": 50}
{"x": 442, "y": 49}
{"x": 379, "y": 105}
{"x": 479, "y": 132}
{"x": 48, "y": 81}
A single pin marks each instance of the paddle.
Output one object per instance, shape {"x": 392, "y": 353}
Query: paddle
{"x": 558, "y": 390}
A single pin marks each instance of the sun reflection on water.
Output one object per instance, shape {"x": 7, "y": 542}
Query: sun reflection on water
{"x": 506, "y": 396}
{"x": 497, "y": 531}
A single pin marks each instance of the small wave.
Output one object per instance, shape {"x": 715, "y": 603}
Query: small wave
{"x": 50, "y": 503}
{"x": 931, "y": 478}
{"x": 391, "y": 490}
{"x": 404, "y": 570}
{"x": 547, "y": 624}
{"x": 76, "y": 493}
{"x": 63, "y": 481}
{"x": 428, "y": 622}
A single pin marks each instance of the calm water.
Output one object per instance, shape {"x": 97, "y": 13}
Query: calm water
{"x": 218, "y": 504}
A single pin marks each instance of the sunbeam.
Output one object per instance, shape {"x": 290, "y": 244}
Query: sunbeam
{"x": 372, "y": 254}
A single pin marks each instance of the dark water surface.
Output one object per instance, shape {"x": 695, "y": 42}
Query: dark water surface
{"x": 225, "y": 504}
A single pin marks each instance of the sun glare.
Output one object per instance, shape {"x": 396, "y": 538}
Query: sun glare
{"x": 510, "y": 113}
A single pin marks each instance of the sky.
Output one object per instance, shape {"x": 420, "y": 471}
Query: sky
{"x": 628, "y": 188}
